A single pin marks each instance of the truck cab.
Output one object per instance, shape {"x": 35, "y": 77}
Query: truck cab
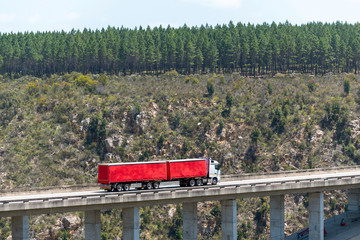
{"x": 214, "y": 172}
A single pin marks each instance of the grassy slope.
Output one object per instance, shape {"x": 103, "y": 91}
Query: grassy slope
{"x": 43, "y": 134}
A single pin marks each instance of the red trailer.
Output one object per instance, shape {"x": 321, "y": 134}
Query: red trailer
{"x": 189, "y": 172}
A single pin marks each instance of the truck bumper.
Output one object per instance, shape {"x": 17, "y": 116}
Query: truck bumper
{"x": 105, "y": 186}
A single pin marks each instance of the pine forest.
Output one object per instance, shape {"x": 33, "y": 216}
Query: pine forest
{"x": 250, "y": 49}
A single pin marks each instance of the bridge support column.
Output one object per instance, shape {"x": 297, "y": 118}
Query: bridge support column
{"x": 228, "y": 219}
{"x": 131, "y": 223}
{"x": 277, "y": 217}
{"x": 354, "y": 200}
{"x": 20, "y": 227}
{"x": 190, "y": 221}
{"x": 316, "y": 216}
{"x": 92, "y": 225}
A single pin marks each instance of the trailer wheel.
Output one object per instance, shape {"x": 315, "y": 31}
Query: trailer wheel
{"x": 156, "y": 185}
{"x": 126, "y": 187}
{"x": 192, "y": 183}
{"x": 148, "y": 185}
{"x": 199, "y": 182}
{"x": 214, "y": 181}
{"x": 118, "y": 187}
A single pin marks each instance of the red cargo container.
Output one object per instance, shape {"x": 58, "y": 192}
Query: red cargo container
{"x": 132, "y": 172}
{"x": 190, "y": 168}
{"x": 190, "y": 172}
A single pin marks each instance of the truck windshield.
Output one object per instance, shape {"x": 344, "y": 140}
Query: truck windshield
{"x": 217, "y": 167}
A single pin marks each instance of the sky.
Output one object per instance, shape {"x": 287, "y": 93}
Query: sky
{"x": 56, "y": 15}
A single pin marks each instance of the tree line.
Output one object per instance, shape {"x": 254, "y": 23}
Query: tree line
{"x": 247, "y": 48}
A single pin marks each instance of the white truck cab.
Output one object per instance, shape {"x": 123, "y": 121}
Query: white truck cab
{"x": 214, "y": 172}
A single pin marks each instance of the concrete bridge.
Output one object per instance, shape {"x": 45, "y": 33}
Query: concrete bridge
{"x": 20, "y": 207}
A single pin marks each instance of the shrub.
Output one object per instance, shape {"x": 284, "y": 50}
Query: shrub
{"x": 87, "y": 82}
{"x": 255, "y": 135}
{"x": 222, "y": 80}
{"x": 210, "y": 88}
{"x": 311, "y": 85}
{"x": 172, "y": 73}
{"x": 160, "y": 142}
{"x": 221, "y": 126}
{"x": 174, "y": 120}
{"x": 42, "y": 105}
{"x": 32, "y": 88}
{"x": 102, "y": 79}
{"x": 270, "y": 88}
{"x": 278, "y": 120}
{"x": 229, "y": 99}
{"x": 349, "y": 150}
{"x": 195, "y": 80}
{"x": 66, "y": 86}
{"x": 347, "y": 86}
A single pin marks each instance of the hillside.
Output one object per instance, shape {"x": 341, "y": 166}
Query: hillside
{"x": 56, "y": 130}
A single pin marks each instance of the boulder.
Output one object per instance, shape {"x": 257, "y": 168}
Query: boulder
{"x": 71, "y": 222}
{"x": 109, "y": 145}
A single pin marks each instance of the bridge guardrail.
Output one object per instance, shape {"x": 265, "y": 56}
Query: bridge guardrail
{"x": 69, "y": 196}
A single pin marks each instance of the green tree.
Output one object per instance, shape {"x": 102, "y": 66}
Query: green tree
{"x": 255, "y": 135}
{"x": 229, "y": 100}
{"x": 160, "y": 142}
{"x": 210, "y": 88}
{"x": 347, "y": 86}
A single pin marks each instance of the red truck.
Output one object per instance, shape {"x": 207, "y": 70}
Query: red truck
{"x": 189, "y": 172}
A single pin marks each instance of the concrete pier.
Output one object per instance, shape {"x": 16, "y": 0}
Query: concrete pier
{"x": 316, "y": 216}
{"x": 92, "y": 225}
{"x": 131, "y": 223}
{"x": 190, "y": 221}
{"x": 277, "y": 217}
{"x": 228, "y": 219}
{"x": 354, "y": 200}
{"x": 20, "y": 227}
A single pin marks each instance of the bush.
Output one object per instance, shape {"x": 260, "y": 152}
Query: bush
{"x": 32, "y": 88}
{"x": 270, "y": 88}
{"x": 229, "y": 99}
{"x": 160, "y": 142}
{"x": 347, "y": 86}
{"x": 102, "y": 79}
{"x": 350, "y": 150}
{"x": 87, "y": 82}
{"x": 278, "y": 120}
{"x": 210, "y": 88}
{"x": 311, "y": 86}
{"x": 255, "y": 135}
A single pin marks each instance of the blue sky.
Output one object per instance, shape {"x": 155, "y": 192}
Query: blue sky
{"x": 49, "y": 15}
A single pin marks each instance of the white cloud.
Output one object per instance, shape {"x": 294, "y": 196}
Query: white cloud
{"x": 217, "y": 3}
{"x": 7, "y": 18}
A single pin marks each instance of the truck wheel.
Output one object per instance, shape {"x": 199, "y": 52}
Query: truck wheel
{"x": 192, "y": 183}
{"x": 148, "y": 185}
{"x": 156, "y": 185}
{"x": 214, "y": 181}
{"x": 126, "y": 187}
{"x": 118, "y": 187}
{"x": 199, "y": 182}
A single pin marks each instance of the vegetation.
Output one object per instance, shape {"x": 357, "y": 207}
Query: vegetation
{"x": 246, "y": 48}
{"x": 54, "y": 130}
